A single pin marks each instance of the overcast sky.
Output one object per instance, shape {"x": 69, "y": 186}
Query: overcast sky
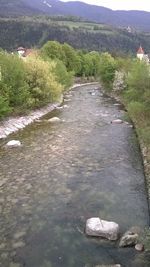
{"x": 120, "y": 4}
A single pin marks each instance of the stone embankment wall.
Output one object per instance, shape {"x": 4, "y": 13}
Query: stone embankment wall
{"x": 13, "y": 124}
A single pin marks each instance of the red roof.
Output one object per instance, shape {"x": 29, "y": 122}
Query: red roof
{"x": 140, "y": 50}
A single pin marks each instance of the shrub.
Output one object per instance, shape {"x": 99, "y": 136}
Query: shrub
{"x": 4, "y": 107}
{"x": 138, "y": 82}
{"x": 13, "y": 84}
{"x": 107, "y": 70}
{"x": 63, "y": 77}
{"x": 138, "y": 112}
{"x": 42, "y": 82}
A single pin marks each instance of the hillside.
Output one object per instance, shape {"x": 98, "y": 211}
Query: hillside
{"x": 136, "y": 19}
{"x": 35, "y": 31}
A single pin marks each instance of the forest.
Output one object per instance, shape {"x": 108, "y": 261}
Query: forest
{"x": 35, "y": 31}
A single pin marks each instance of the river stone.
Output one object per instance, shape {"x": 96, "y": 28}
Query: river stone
{"x": 13, "y": 143}
{"x": 20, "y": 234}
{"x": 54, "y": 119}
{"x": 139, "y": 247}
{"x": 101, "y": 228}
{"x": 129, "y": 239}
{"x": 65, "y": 106}
{"x": 18, "y": 244}
{"x": 117, "y": 121}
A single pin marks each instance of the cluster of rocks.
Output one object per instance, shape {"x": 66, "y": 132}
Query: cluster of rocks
{"x": 97, "y": 227}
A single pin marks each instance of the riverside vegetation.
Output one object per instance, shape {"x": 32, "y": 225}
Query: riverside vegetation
{"x": 43, "y": 77}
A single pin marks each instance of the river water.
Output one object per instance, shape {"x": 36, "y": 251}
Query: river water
{"x": 65, "y": 173}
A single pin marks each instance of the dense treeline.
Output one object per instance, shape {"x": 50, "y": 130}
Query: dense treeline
{"x": 30, "y": 32}
{"x": 34, "y": 81}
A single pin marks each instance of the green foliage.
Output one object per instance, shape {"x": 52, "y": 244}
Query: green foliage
{"x": 78, "y": 62}
{"x": 53, "y": 50}
{"x": 62, "y": 75}
{"x": 138, "y": 82}
{"x": 137, "y": 110}
{"x": 4, "y": 107}
{"x": 87, "y": 65}
{"x": 107, "y": 70}
{"x": 137, "y": 98}
{"x": 30, "y": 83}
{"x": 13, "y": 84}
{"x": 36, "y": 31}
{"x": 72, "y": 60}
{"x": 43, "y": 85}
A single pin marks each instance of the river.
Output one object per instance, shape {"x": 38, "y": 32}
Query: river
{"x": 65, "y": 173}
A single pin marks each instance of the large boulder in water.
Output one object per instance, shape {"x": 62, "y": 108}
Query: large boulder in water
{"x": 101, "y": 228}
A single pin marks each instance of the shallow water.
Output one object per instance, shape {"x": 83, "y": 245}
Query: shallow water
{"x": 65, "y": 173}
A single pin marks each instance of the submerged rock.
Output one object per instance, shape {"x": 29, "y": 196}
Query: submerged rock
{"x": 130, "y": 238}
{"x": 139, "y": 247}
{"x": 54, "y": 119}
{"x": 116, "y": 265}
{"x": 117, "y": 121}
{"x": 101, "y": 228}
{"x": 65, "y": 106}
{"x": 13, "y": 143}
{"x": 18, "y": 244}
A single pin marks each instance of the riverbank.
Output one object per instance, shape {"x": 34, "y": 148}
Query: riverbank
{"x": 13, "y": 124}
{"x": 145, "y": 149}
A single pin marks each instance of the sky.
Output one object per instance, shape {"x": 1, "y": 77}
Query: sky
{"x": 120, "y": 4}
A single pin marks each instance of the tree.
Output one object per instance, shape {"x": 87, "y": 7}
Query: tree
{"x": 53, "y": 50}
{"x": 72, "y": 60}
{"x": 13, "y": 85}
{"x": 107, "y": 69}
{"x": 42, "y": 81}
{"x": 138, "y": 83}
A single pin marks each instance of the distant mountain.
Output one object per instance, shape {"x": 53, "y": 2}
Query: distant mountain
{"x": 136, "y": 19}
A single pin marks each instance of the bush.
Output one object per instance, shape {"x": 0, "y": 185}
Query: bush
{"x": 4, "y": 107}
{"x": 63, "y": 77}
{"x": 13, "y": 84}
{"x": 107, "y": 70}
{"x": 138, "y": 82}
{"x": 138, "y": 112}
{"x": 42, "y": 82}
{"x": 144, "y": 133}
